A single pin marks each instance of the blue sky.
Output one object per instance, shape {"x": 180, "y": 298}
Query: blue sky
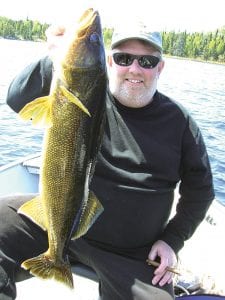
{"x": 190, "y": 15}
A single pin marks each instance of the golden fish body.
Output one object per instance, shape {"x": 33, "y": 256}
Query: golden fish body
{"x": 74, "y": 113}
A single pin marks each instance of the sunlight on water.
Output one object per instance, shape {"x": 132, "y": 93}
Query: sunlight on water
{"x": 17, "y": 137}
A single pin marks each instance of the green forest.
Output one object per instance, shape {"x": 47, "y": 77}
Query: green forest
{"x": 208, "y": 46}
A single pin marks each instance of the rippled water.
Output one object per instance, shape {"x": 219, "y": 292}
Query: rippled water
{"x": 200, "y": 87}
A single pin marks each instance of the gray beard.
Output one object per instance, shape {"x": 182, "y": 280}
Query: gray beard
{"x": 138, "y": 100}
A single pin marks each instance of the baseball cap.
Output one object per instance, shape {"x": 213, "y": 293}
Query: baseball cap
{"x": 136, "y": 31}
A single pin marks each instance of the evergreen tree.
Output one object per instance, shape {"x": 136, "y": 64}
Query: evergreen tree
{"x": 204, "y": 46}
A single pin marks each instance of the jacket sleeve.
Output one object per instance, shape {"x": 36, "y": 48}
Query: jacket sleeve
{"x": 34, "y": 81}
{"x": 195, "y": 189}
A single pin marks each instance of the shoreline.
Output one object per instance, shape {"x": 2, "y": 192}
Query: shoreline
{"x": 106, "y": 50}
{"x": 195, "y": 59}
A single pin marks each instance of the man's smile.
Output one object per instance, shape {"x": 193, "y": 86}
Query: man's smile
{"x": 134, "y": 80}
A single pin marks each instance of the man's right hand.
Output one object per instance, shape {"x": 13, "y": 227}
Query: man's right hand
{"x": 54, "y": 35}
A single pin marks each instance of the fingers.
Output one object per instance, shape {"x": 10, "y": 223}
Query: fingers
{"x": 164, "y": 263}
{"x": 162, "y": 275}
{"x": 167, "y": 258}
{"x": 55, "y": 30}
{"x": 153, "y": 253}
{"x": 156, "y": 264}
{"x": 163, "y": 278}
{"x": 54, "y": 36}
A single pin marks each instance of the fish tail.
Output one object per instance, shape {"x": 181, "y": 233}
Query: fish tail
{"x": 43, "y": 266}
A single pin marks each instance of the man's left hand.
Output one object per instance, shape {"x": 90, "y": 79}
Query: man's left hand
{"x": 167, "y": 259}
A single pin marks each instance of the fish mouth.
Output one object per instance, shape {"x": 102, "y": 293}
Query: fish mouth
{"x": 88, "y": 20}
{"x": 88, "y": 14}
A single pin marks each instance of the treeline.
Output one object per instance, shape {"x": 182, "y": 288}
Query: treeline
{"x": 22, "y": 29}
{"x": 204, "y": 46}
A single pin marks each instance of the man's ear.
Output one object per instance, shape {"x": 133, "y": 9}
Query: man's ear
{"x": 160, "y": 66}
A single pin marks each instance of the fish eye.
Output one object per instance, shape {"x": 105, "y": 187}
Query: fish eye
{"x": 94, "y": 38}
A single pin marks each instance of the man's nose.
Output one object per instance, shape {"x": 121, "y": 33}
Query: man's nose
{"x": 135, "y": 66}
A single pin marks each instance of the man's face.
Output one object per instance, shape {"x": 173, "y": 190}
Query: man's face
{"x": 133, "y": 86}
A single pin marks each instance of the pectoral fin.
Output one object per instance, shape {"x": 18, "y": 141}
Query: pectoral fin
{"x": 90, "y": 214}
{"x": 39, "y": 111}
{"x": 33, "y": 210}
{"x": 72, "y": 98}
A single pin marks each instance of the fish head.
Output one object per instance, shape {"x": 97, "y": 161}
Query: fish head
{"x": 85, "y": 55}
{"x": 89, "y": 45}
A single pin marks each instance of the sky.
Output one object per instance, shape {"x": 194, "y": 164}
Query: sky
{"x": 178, "y": 15}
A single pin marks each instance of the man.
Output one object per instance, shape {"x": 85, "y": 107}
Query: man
{"x": 150, "y": 145}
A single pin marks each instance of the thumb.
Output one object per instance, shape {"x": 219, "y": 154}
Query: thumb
{"x": 153, "y": 253}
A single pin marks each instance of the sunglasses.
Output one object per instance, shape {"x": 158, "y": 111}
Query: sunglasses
{"x": 126, "y": 59}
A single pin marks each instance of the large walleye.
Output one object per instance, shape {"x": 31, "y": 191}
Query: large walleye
{"x": 74, "y": 113}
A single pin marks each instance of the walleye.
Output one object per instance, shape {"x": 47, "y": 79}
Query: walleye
{"x": 74, "y": 113}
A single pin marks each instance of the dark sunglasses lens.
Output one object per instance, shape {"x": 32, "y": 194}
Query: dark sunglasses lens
{"x": 145, "y": 61}
{"x": 148, "y": 61}
{"x": 123, "y": 59}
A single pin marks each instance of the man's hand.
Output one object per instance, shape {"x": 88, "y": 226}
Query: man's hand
{"x": 167, "y": 259}
{"x": 54, "y": 35}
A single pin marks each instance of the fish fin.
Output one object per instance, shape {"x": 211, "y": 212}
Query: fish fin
{"x": 72, "y": 98}
{"x": 43, "y": 266}
{"x": 33, "y": 210}
{"x": 39, "y": 111}
{"x": 91, "y": 212}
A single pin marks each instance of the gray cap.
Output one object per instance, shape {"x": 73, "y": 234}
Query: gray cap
{"x": 136, "y": 31}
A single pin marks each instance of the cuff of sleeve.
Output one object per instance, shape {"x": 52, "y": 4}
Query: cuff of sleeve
{"x": 175, "y": 242}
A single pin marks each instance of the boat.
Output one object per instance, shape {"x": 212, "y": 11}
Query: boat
{"x": 22, "y": 176}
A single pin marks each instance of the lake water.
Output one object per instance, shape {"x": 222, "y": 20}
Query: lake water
{"x": 200, "y": 87}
